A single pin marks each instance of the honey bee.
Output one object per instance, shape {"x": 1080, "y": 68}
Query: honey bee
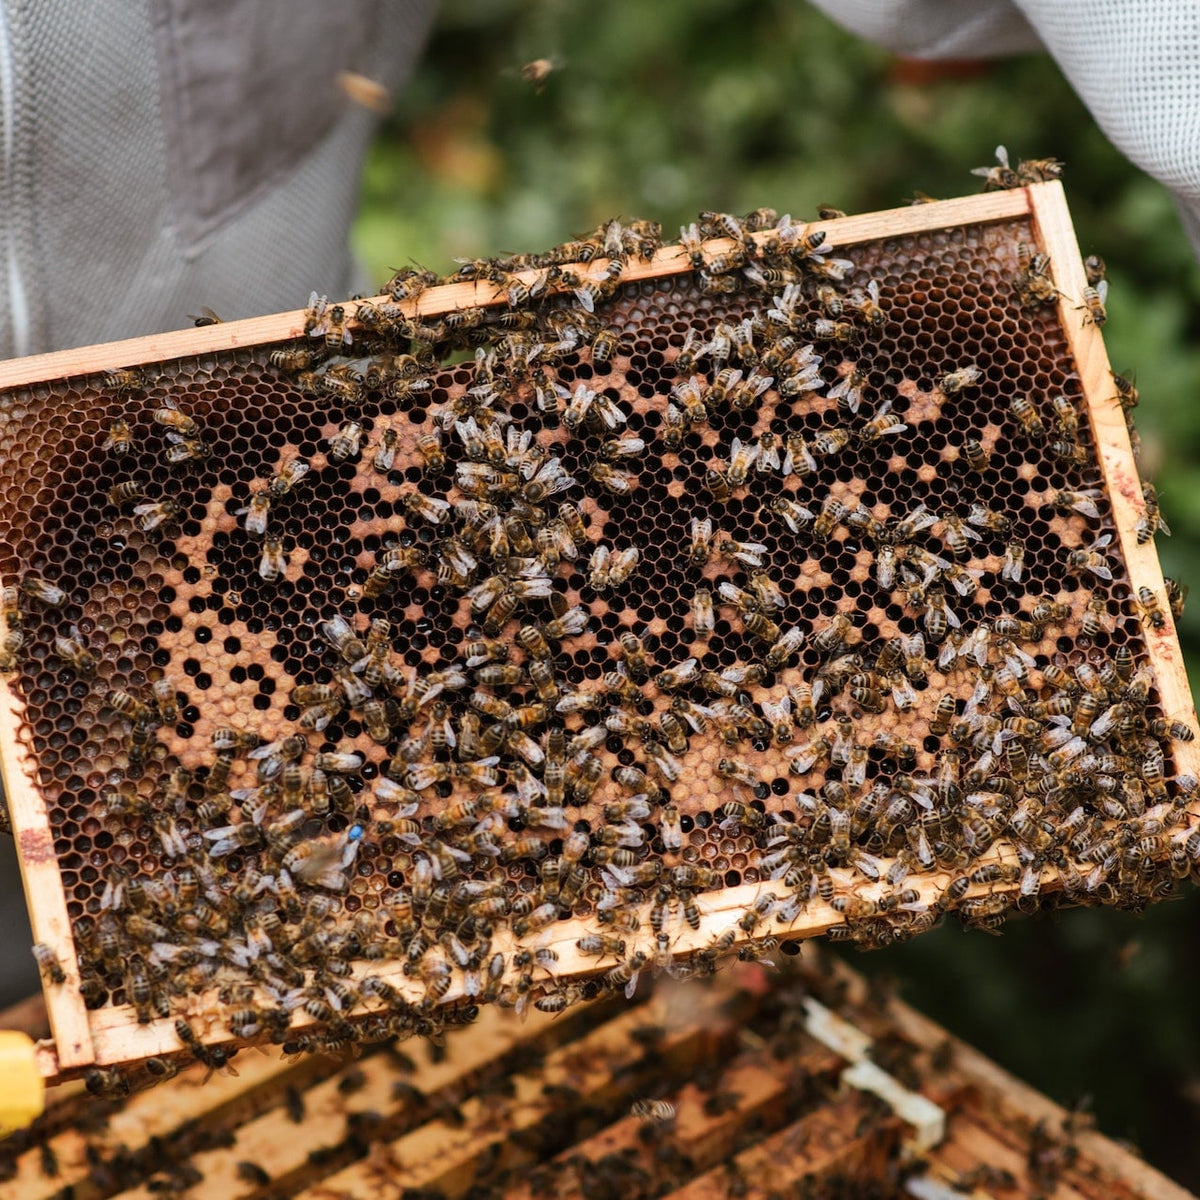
{"x": 257, "y": 514}
{"x": 959, "y": 534}
{"x": 385, "y": 452}
{"x": 343, "y": 639}
{"x": 1094, "y": 312}
{"x": 41, "y": 590}
{"x": 286, "y": 477}
{"x": 882, "y": 424}
{"x": 48, "y": 964}
{"x": 73, "y": 652}
{"x": 795, "y": 516}
{"x": 955, "y": 382}
{"x": 346, "y": 443}
{"x": 831, "y": 442}
{"x": 125, "y": 381}
{"x": 433, "y": 509}
{"x": 171, "y": 417}
{"x": 1151, "y": 521}
{"x": 977, "y": 458}
{"x": 119, "y": 441}
{"x": 1023, "y": 409}
{"x": 617, "y": 483}
{"x": 295, "y": 359}
{"x": 1014, "y": 562}
{"x": 833, "y": 511}
{"x": 10, "y": 648}
{"x": 1092, "y": 559}
{"x": 1148, "y": 605}
{"x": 1034, "y": 284}
{"x": 273, "y": 563}
{"x": 783, "y": 647}
{"x": 154, "y": 514}
{"x": 1176, "y": 597}
{"x": 652, "y": 1110}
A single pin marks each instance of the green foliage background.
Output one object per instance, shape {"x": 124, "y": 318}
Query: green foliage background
{"x": 659, "y": 108}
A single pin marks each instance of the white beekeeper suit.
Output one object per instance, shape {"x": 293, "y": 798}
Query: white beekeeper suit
{"x": 160, "y": 155}
{"x": 1135, "y": 64}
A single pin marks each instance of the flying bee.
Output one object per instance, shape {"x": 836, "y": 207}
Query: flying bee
{"x": 154, "y": 514}
{"x": 273, "y": 563}
{"x": 1094, "y": 312}
{"x": 1026, "y": 414}
{"x": 1148, "y": 605}
{"x": 958, "y": 381}
{"x": 346, "y": 443}
{"x": 73, "y": 652}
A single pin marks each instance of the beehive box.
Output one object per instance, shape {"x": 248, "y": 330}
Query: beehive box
{"x": 762, "y": 1105}
{"x": 936, "y": 453}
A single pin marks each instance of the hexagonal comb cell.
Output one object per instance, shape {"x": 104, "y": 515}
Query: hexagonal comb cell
{"x": 500, "y": 640}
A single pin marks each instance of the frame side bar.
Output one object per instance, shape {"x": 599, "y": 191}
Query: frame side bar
{"x": 1056, "y": 234}
{"x": 47, "y": 902}
{"x": 668, "y": 260}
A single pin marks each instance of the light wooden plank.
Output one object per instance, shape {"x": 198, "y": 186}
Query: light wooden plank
{"x": 820, "y": 1143}
{"x": 669, "y": 260}
{"x": 282, "y": 1147}
{"x": 971, "y": 1145}
{"x": 1056, "y": 236}
{"x": 598, "y": 1066}
{"x": 153, "y": 1113}
{"x": 1014, "y": 1102}
{"x": 702, "y": 1137}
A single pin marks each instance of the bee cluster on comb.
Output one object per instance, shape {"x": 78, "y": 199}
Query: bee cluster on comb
{"x": 367, "y": 685}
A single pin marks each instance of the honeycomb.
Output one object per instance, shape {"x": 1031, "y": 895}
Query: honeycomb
{"x": 386, "y": 661}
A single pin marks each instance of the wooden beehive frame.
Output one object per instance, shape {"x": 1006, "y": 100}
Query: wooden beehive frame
{"x": 989, "y": 1115}
{"x": 110, "y": 1035}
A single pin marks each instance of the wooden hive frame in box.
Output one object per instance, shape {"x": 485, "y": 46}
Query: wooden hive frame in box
{"x": 811, "y": 1083}
{"x": 138, "y": 600}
